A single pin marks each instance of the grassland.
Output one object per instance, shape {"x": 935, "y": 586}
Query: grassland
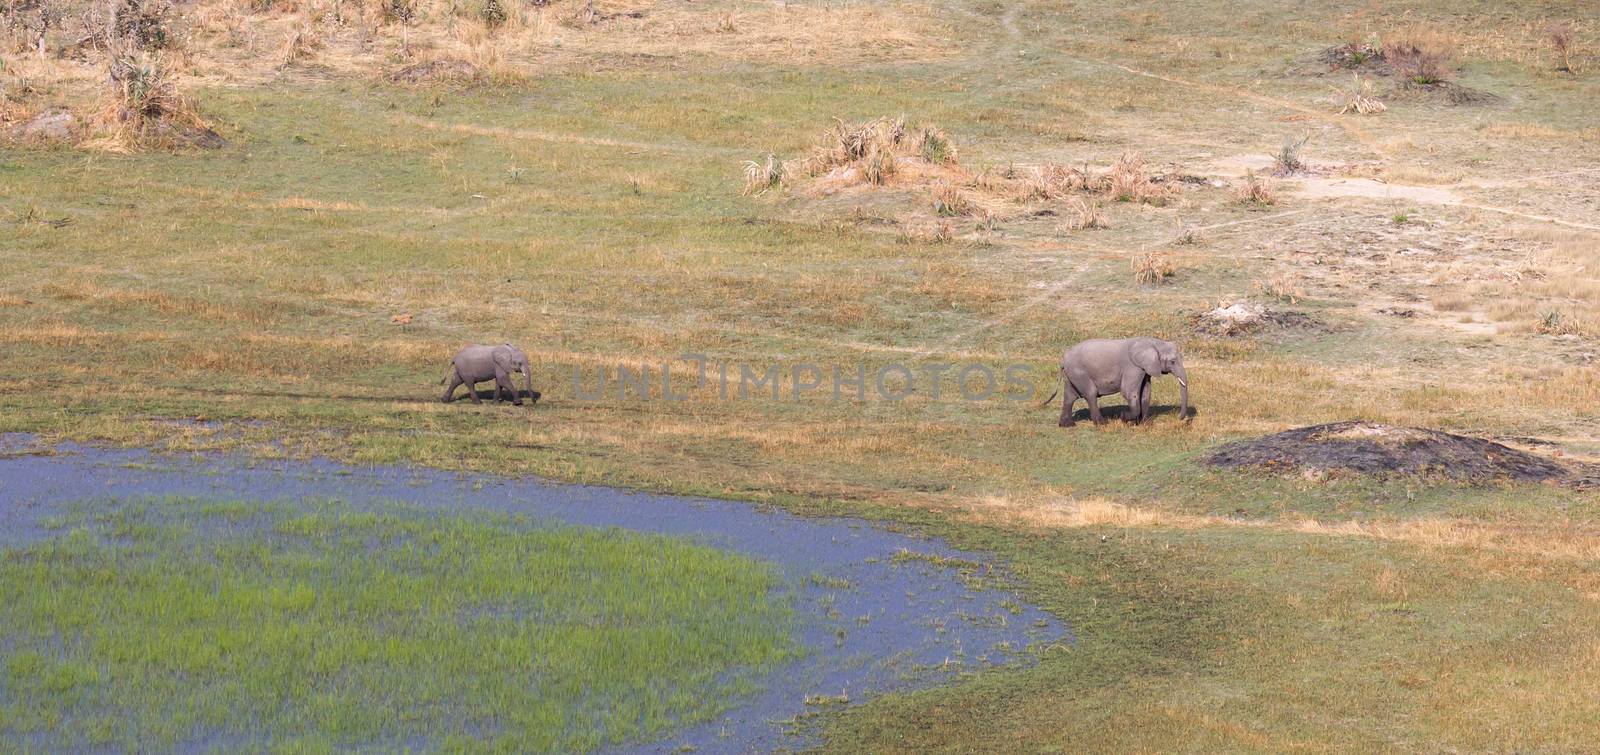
{"x": 588, "y": 207}
{"x": 142, "y": 624}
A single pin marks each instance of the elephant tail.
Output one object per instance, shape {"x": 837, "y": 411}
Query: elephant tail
{"x": 448, "y": 374}
{"x": 1046, "y": 402}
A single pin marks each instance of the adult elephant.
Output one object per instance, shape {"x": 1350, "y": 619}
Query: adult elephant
{"x": 1101, "y": 367}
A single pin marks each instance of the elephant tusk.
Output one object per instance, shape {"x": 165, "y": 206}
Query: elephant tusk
{"x": 1183, "y": 382}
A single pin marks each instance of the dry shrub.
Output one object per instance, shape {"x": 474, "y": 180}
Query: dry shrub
{"x": 298, "y": 45}
{"x": 1555, "y": 322}
{"x": 1129, "y": 181}
{"x": 143, "y": 107}
{"x": 1052, "y": 181}
{"x": 141, "y": 24}
{"x": 28, "y": 22}
{"x": 1421, "y": 55}
{"x": 1560, "y": 36}
{"x": 1287, "y": 162}
{"x": 398, "y": 11}
{"x": 1152, "y": 267}
{"x": 949, "y": 200}
{"x": 871, "y": 151}
{"x": 1358, "y": 98}
{"x": 1255, "y": 191}
{"x": 934, "y": 146}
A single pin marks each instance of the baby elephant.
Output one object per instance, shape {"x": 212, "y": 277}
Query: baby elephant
{"x": 1101, "y": 367}
{"x": 475, "y": 364}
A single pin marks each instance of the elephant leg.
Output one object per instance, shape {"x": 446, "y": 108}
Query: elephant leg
{"x": 1144, "y": 400}
{"x": 1131, "y": 388}
{"x": 1092, "y": 398}
{"x": 450, "y": 393}
{"x": 1069, "y": 398}
{"x": 510, "y": 390}
{"x": 472, "y": 390}
{"x": 501, "y": 380}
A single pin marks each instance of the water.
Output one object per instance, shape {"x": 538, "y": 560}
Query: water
{"x": 900, "y": 623}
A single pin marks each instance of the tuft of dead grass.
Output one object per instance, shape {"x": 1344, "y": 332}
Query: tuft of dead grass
{"x": 1129, "y": 180}
{"x": 1287, "y": 161}
{"x": 1421, "y": 54}
{"x": 949, "y": 200}
{"x": 1152, "y": 267}
{"x": 1255, "y": 191}
{"x": 760, "y": 177}
{"x": 1358, "y": 98}
{"x": 1083, "y": 213}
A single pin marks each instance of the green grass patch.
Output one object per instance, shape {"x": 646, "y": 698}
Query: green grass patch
{"x": 160, "y": 624}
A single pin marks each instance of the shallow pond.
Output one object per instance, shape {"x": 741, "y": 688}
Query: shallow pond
{"x": 876, "y": 610}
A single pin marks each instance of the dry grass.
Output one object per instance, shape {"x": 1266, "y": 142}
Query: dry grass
{"x": 231, "y": 42}
{"x": 1129, "y": 180}
{"x": 949, "y": 200}
{"x": 1553, "y": 291}
{"x": 1083, "y": 213}
{"x": 1255, "y": 191}
{"x": 142, "y": 105}
{"x": 1283, "y": 286}
{"x": 1568, "y": 540}
{"x": 1287, "y": 161}
{"x": 759, "y": 177}
{"x": 1422, "y": 54}
{"x": 867, "y": 152}
{"x": 1152, "y": 267}
{"x": 1358, "y": 98}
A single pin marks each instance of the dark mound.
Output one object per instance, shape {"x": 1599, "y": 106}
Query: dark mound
{"x": 1447, "y": 92}
{"x": 1355, "y": 57}
{"x": 1372, "y": 448}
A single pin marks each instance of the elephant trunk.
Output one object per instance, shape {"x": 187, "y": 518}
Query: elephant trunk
{"x": 527, "y": 381}
{"x": 1183, "y": 388}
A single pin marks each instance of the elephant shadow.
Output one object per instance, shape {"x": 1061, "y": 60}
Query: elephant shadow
{"x": 487, "y": 394}
{"x": 483, "y": 395}
{"x": 1121, "y": 411}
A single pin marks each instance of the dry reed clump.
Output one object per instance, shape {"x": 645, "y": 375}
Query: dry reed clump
{"x": 1083, "y": 214}
{"x": 1255, "y": 191}
{"x": 1152, "y": 267}
{"x": 1358, "y": 98}
{"x": 1052, "y": 181}
{"x": 869, "y": 151}
{"x": 759, "y": 177}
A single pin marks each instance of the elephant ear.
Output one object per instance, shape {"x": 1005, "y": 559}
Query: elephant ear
{"x": 502, "y": 358}
{"x": 1144, "y": 356}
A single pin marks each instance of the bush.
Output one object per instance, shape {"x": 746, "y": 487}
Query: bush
{"x": 1421, "y": 55}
